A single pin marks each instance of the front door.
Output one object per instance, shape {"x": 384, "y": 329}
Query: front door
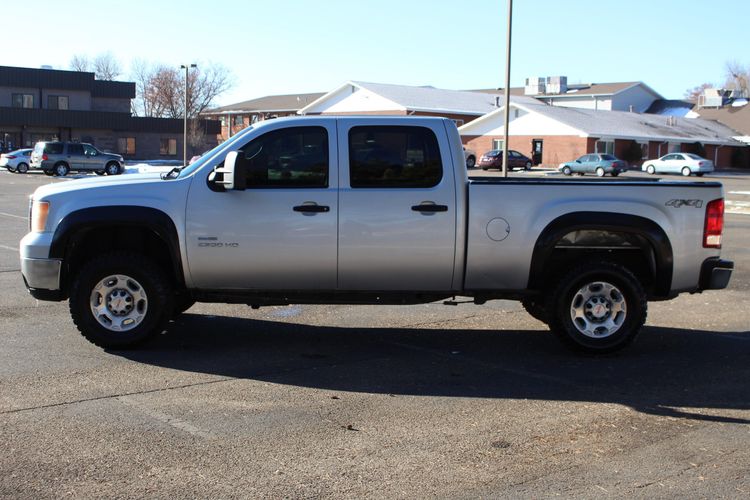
{"x": 279, "y": 233}
{"x": 75, "y": 156}
{"x": 537, "y": 148}
{"x": 397, "y": 207}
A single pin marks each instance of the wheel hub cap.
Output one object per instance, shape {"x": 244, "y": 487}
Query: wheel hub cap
{"x": 598, "y": 309}
{"x": 119, "y": 303}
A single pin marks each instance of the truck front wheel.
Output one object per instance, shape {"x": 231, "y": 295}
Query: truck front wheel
{"x": 598, "y": 307}
{"x": 119, "y": 300}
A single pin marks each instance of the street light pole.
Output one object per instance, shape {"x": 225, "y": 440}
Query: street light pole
{"x": 186, "y": 67}
{"x": 507, "y": 90}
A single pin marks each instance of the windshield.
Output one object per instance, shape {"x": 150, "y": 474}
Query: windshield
{"x": 225, "y": 146}
{"x": 691, "y": 155}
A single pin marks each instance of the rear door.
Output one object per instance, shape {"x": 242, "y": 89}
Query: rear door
{"x": 75, "y": 157}
{"x": 397, "y": 206}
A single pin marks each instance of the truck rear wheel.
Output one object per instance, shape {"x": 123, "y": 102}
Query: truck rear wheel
{"x": 598, "y": 307}
{"x": 120, "y": 299}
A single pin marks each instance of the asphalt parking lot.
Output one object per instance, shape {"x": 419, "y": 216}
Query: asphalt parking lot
{"x": 361, "y": 401}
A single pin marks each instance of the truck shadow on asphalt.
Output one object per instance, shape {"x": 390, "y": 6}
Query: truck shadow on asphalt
{"x": 666, "y": 372}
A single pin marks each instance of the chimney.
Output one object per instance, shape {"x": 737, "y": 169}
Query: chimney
{"x": 497, "y": 101}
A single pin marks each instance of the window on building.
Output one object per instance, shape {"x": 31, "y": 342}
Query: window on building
{"x": 458, "y": 122}
{"x": 605, "y": 147}
{"x": 675, "y": 147}
{"x": 23, "y": 100}
{"x": 390, "y": 156}
{"x": 497, "y": 144}
{"x": 57, "y": 102}
{"x": 126, "y": 145}
{"x": 287, "y": 158}
{"x": 223, "y": 121}
{"x": 238, "y": 121}
{"x": 168, "y": 147}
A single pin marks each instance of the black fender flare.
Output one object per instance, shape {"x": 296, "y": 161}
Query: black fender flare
{"x": 605, "y": 221}
{"x": 78, "y": 223}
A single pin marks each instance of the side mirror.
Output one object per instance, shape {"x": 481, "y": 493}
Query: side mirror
{"x": 232, "y": 178}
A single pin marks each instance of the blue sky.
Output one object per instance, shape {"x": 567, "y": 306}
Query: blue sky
{"x": 290, "y": 46}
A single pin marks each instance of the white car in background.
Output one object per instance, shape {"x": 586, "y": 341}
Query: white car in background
{"x": 471, "y": 157}
{"x": 679, "y": 163}
{"x": 16, "y": 161}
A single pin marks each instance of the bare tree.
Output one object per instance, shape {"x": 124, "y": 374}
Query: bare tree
{"x": 160, "y": 89}
{"x": 737, "y": 76}
{"x": 106, "y": 67}
{"x": 695, "y": 93}
{"x": 79, "y": 62}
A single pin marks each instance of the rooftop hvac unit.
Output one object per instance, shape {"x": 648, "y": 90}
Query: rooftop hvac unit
{"x": 534, "y": 85}
{"x": 557, "y": 84}
{"x": 712, "y": 98}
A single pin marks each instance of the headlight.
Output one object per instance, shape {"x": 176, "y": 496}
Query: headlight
{"x": 39, "y": 212}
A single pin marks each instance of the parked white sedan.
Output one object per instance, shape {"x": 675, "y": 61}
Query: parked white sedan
{"x": 16, "y": 161}
{"x": 679, "y": 163}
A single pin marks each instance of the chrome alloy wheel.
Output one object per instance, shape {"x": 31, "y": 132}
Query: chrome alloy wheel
{"x": 598, "y": 309}
{"x": 119, "y": 303}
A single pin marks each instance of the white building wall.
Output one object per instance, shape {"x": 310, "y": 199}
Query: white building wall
{"x": 525, "y": 123}
{"x": 637, "y": 96}
{"x": 585, "y": 102}
{"x": 352, "y": 99}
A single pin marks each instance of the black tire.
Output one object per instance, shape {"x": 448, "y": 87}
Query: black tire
{"x": 566, "y": 170}
{"x": 615, "y": 173}
{"x": 22, "y": 168}
{"x": 470, "y": 162}
{"x": 10, "y": 169}
{"x": 527, "y": 166}
{"x": 600, "y": 172}
{"x": 611, "y": 332}
{"x": 181, "y": 304}
{"x": 700, "y": 174}
{"x": 99, "y": 172}
{"x": 112, "y": 168}
{"x": 535, "y": 308}
{"x": 61, "y": 169}
{"x": 48, "y": 172}
{"x": 135, "y": 276}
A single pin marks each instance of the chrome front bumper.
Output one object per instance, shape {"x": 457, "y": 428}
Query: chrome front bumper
{"x": 41, "y": 273}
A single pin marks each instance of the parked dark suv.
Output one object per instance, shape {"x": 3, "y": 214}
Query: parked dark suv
{"x": 59, "y": 158}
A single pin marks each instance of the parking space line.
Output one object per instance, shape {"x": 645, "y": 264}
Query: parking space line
{"x": 4, "y": 214}
{"x": 164, "y": 418}
{"x": 9, "y": 248}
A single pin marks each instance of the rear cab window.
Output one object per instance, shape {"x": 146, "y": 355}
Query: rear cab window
{"x": 384, "y": 156}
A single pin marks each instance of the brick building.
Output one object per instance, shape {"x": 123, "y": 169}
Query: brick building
{"x": 46, "y": 104}
{"x": 552, "y": 135}
{"x": 235, "y": 117}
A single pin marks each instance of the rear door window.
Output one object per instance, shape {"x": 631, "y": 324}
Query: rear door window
{"x": 394, "y": 157}
{"x": 53, "y": 148}
{"x": 75, "y": 149}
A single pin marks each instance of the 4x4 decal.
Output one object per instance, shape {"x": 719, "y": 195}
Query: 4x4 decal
{"x": 685, "y": 203}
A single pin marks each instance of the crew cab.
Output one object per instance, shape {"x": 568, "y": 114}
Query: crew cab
{"x": 367, "y": 210}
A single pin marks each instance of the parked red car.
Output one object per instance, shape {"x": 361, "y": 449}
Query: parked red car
{"x": 494, "y": 159}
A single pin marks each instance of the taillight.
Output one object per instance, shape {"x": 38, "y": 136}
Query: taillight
{"x": 714, "y": 224}
{"x": 44, "y": 157}
{"x": 701, "y": 163}
{"x": 10, "y": 157}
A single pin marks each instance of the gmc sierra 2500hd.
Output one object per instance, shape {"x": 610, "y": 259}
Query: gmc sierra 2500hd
{"x": 368, "y": 210}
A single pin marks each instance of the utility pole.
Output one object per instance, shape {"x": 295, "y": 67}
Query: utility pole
{"x": 507, "y": 89}
{"x": 186, "y": 67}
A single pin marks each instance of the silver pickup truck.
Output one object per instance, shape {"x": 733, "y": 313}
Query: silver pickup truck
{"x": 367, "y": 210}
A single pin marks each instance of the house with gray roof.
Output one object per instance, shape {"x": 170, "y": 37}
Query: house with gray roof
{"x": 553, "y": 134}
{"x": 358, "y": 98}
{"x": 235, "y": 117}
